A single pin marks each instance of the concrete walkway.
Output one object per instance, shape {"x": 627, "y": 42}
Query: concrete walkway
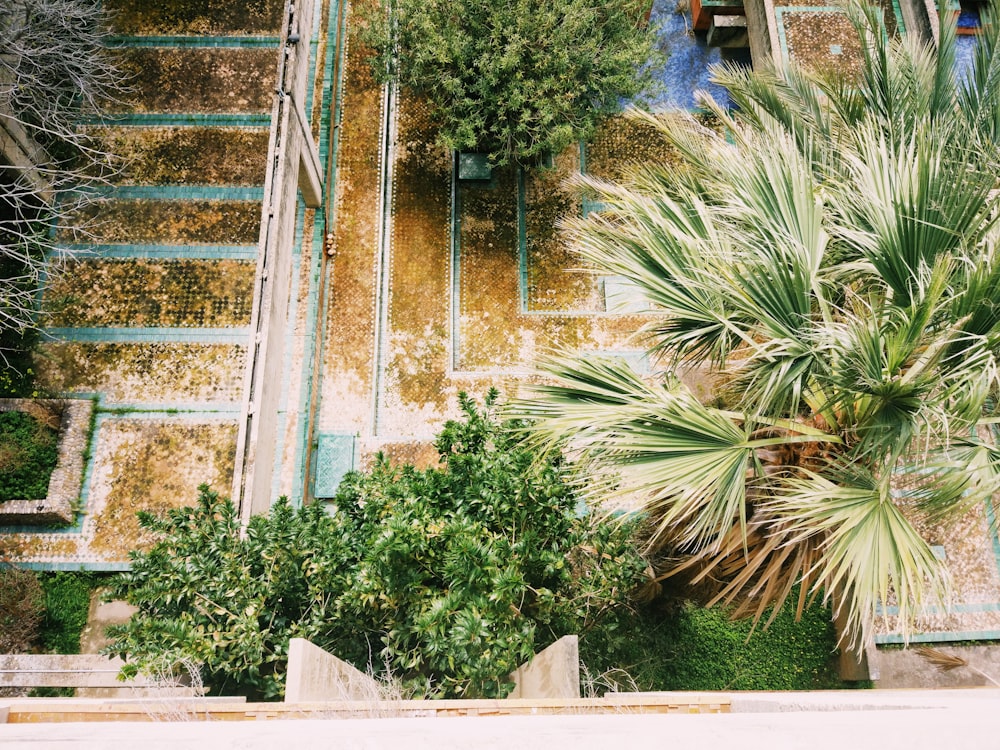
{"x": 945, "y": 720}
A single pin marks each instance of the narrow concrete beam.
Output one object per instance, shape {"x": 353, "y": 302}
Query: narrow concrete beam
{"x": 554, "y": 672}
{"x": 310, "y": 167}
{"x": 316, "y": 675}
{"x": 63, "y": 670}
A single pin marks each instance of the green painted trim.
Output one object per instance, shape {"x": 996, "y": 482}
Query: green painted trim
{"x": 185, "y": 192}
{"x": 456, "y": 263}
{"x": 94, "y": 567}
{"x": 196, "y": 119}
{"x": 139, "y": 335}
{"x": 522, "y": 239}
{"x": 939, "y": 637}
{"x": 955, "y": 608}
{"x": 125, "y": 41}
{"x": 165, "y": 252}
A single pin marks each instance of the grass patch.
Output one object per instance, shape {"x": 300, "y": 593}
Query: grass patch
{"x": 67, "y": 602}
{"x": 693, "y": 648}
{"x": 28, "y": 453}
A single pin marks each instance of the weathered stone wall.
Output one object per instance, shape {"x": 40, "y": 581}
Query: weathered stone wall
{"x": 67, "y": 477}
{"x": 893, "y": 668}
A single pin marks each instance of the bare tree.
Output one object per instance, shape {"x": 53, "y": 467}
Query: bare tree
{"x": 55, "y": 68}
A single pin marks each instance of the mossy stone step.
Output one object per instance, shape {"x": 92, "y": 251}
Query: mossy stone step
{"x": 198, "y": 155}
{"x": 202, "y": 79}
{"x": 215, "y": 17}
{"x": 149, "y": 293}
{"x": 171, "y": 222}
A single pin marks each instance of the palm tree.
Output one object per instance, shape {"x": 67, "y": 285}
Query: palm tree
{"x": 830, "y": 257}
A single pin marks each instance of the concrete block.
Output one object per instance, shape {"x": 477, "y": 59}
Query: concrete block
{"x": 623, "y": 296}
{"x": 729, "y": 32}
{"x": 473, "y": 166}
{"x": 315, "y": 675}
{"x": 553, "y": 673}
{"x": 904, "y": 668}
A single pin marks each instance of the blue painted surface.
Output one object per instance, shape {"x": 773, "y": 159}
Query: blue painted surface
{"x": 965, "y": 50}
{"x": 190, "y": 251}
{"x": 689, "y": 60}
{"x": 235, "y": 335}
{"x": 335, "y": 456}
{"x": 968, "y": 17}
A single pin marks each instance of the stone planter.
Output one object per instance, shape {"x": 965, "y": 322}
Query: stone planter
{"x": 67, "y": 477}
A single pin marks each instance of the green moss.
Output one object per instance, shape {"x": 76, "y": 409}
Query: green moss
{"x": 67, "y": 603}
{"x": 693, "y": 648}
{"x": 28, "y": 454}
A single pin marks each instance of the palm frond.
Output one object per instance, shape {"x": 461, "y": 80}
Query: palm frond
{"x": 942, "y": 661}
{"x": 689, "y": 462}
{"x": 870, "y": 554}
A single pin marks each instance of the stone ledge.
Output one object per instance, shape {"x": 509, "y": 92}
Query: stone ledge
{"x": 67, "y": 477}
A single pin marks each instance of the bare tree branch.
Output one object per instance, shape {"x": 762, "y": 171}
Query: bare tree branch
{"x": 56, "y": 70}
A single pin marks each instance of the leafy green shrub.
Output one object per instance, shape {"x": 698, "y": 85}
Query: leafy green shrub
{"x": 516, "y": 80}
{"x": 694, "y": 648}
{"x": 447, "y": 578}
{"x": 67, "y": 603}
{"x": 28, "y": 454}
{"x": 22, "y": 605}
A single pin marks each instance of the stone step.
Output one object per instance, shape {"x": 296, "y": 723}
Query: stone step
{"x": 206, "y": 369}
{"x": 186, "y": 155}
{"x": 165, "y": 222}
{"x": 199, "y": 79}
{"x": 151, "y": 292}
{"x": 195, "y": 16}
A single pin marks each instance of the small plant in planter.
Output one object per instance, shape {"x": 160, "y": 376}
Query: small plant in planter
{"x": 43, "y": 452}
{"x": 29, "y": 450}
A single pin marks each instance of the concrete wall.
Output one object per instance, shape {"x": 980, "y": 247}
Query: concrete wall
{"x": 552, "y": 673}
{"x": 904, "y": 668}
{"x": 315, "y": 675}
